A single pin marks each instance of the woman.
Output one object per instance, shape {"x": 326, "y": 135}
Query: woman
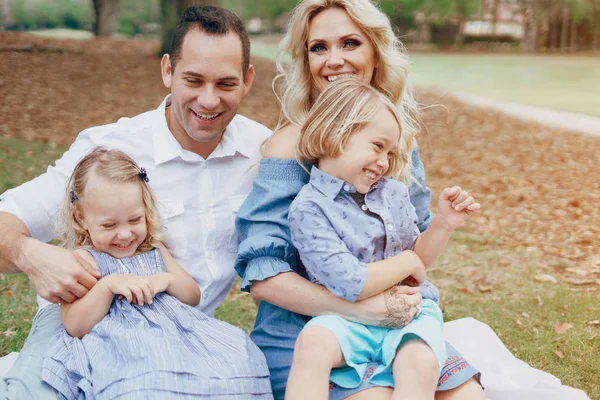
{"x": 327, "y": 39}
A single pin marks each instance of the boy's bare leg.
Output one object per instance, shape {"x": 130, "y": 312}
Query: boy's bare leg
{"x": 470, "y": 390}
{"x": 416, "y": 372}
{"x": 316, "y": 352}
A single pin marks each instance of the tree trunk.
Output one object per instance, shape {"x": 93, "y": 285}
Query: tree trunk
{"x": 564, "y": 30}
{"x": 459, "y": 39}
{"x": 106, "y": 16}
{"x": 172, "y": 10}
{"x": 573, "y": 37}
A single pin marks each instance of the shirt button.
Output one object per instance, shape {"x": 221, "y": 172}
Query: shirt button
{"x": 364, "y": 207}
{"x": 390, "y": 227}
{"x": 346, "y": 188}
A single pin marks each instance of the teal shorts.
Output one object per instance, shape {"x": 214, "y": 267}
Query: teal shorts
{"x": 363, "y": 344}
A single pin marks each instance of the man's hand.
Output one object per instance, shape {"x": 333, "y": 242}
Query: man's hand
{"x": 394, "y": 308}
{"x": 56, "y": 274}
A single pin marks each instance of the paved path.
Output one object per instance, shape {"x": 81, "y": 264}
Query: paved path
{"x": 561, "y": 119}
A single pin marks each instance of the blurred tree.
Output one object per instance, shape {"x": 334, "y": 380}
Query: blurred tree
{"x": 106, "y": 16}
{"x": 267, "y": 10}
{"x": 171, "y": 14}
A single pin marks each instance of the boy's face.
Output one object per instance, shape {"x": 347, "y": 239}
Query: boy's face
{"x": 114, "y": 216}
{"x": 365, "y": 158}
{"x": 207, "y": 87}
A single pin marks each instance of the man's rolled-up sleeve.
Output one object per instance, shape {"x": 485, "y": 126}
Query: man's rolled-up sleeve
{"x": 37, "y": 202}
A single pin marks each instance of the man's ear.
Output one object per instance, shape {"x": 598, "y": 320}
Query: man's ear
{"x": 165, "y": 70}
{"x": 248, "y": 79}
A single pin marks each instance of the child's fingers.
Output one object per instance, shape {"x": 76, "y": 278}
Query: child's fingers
{"x": 474, "y": 207}
{"x": 147, "y": 290}
{"x": 465, "y": 203}
{"x": 460, "y": 199}
{"x": 451, "y": 193}
{"x": 139, "y": 295}
{"x": 128, "y": 295}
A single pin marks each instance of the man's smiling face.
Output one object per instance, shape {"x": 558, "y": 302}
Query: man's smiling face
{"x": 207, "y": 87}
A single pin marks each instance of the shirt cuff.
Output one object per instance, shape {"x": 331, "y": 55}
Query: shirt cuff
{"x": 261, "y": 268}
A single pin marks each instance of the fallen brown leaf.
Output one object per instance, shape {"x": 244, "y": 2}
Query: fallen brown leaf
{"x": 9, "y": 332}
{"x": 593, "y": 323}
{"x": 485, "y": 288}
{"x": 545, "y": 278}
{"x": 560, "y": 354}
{"x": 563, "y": 327}
{"x": 465, "y": 290}
{"x": 577, "y": 271}
{"x": 581, "y": 282}
{"x": 540, "y": 302}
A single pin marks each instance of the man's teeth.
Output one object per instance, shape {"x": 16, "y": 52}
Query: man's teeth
{"x": 207, "y": 116}
{"x": 333, "y": 78}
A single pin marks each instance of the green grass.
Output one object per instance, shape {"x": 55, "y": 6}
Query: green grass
{"x": 558, "y": 82}
{"x": 470, "y": 263}
{"x": 63, "y": 33}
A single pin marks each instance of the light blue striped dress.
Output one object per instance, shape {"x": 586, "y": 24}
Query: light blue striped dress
{"x": 165, "y": 350}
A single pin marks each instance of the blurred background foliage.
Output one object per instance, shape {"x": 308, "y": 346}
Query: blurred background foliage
{"x": 531, "y": 25}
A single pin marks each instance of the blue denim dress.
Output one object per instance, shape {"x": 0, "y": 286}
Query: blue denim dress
{"x": 265, "y": 250}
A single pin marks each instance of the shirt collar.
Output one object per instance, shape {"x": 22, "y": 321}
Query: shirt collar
{"x": 166, "y": 147}
{"x": 327, "y": 184}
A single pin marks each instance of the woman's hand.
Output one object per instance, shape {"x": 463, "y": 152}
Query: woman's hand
{"x": 394, "y": 308}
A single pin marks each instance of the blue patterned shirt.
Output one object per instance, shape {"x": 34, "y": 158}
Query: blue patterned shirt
{"x": 336, "y": 238}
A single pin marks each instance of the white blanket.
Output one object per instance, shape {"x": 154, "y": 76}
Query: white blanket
{"x": 504, "y": 376}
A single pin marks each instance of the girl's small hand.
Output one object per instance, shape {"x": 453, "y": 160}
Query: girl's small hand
{"x": 136, "y": 289}
{"x": 455, "y": 206}
{"x": 160, "y": 282}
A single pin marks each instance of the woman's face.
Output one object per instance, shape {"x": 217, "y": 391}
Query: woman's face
{"x": 338, "y": 47}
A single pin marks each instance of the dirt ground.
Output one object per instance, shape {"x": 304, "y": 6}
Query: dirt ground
{"x": 538, "y": 186}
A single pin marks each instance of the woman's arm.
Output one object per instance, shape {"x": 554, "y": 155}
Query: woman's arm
{"x": 176, "y": 281}
{"x": 393, "y": 308}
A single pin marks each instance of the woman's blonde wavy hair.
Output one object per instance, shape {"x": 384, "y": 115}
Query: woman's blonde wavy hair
{"x": 294, "y": 85}
{"x": 118, "y": 167}
{"x": 341, "y": 110}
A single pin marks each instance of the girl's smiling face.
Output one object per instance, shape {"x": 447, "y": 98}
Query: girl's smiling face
{"x": 338, "y": 47}
{"x": 114, "y": 216}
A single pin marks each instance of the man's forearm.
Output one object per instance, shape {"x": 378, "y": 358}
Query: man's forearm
{"x": 12, "y": 234}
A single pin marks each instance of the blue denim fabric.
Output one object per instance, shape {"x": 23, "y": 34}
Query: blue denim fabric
{"x": 23, "y": 381}
{"x": 266, "y": 250}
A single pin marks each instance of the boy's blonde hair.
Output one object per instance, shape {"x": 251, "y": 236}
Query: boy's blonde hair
{"x": 296, "y": 88}
{"x": 341, "y": 110}
{"x": 117, "y": 167}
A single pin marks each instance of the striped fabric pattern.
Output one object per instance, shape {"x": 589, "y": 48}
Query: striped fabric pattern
{"x": 163, "y": 350}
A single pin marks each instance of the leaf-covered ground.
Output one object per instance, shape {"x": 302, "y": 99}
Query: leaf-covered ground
{"x": 539, "y": 187}
{"x": 528, "y": 265}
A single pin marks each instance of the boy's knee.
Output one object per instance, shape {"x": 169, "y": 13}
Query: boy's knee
{"x": 420, "y": 357}
{"x": 316, "y": 344}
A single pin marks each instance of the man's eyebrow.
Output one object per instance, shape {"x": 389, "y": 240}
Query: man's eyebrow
{"x": 197, "y": 75}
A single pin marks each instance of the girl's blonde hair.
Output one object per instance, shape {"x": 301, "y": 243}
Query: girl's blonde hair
{"x": 341, "y": 110}
{"x": 118, "y": 167}
{"x": 297, "y": 92}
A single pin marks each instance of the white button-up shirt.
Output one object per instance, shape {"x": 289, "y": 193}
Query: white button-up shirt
{"x": 198, "y": 198}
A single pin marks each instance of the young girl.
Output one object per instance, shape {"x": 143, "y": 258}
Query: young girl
{"x": 136, "y": 333}
{"x": 356, "y": 233}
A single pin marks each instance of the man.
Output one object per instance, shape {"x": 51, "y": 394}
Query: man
{"x": 196, "y": 150}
